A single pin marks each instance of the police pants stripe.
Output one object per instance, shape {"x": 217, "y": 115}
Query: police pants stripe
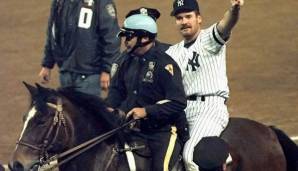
{"x": 170, "y": 148}
{"x": 208, "y": 118}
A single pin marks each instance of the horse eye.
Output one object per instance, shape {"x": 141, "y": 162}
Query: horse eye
{"x": 41, "y": 121}
{"x": 42, "y": 117}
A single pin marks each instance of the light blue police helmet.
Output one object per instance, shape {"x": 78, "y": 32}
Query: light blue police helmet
{"x": 141, "y": 25}
{"x": 141, "y": 22}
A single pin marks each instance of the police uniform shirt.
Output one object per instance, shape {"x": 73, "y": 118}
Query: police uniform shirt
{"x": 152, "y": 81}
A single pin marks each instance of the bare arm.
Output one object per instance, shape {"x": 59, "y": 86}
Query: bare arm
{"x": 229, "y": 19}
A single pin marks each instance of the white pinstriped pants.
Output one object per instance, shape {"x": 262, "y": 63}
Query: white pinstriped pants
{"x": 205, "y": 118}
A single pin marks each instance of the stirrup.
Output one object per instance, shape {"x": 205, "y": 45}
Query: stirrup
{"x": 130, "y": 158}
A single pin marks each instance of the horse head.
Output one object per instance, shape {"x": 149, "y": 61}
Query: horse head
{"x": 45, "y": 130}
{"x": 57, "y": 120}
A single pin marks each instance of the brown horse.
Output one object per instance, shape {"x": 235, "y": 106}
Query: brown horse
{"x": 60, "y": 123}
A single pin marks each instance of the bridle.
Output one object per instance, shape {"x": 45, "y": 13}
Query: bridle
{"x": 58, "y": 121}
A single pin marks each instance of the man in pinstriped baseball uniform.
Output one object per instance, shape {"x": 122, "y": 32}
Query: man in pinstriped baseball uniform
{"x": 202, "y": 58}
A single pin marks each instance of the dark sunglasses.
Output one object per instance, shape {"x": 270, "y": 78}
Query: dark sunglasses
{"x": 128, "y": 35}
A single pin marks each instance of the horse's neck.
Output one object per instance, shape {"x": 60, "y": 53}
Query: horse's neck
{"x": 85, "y": 127}
{"x": 100, "y": 157}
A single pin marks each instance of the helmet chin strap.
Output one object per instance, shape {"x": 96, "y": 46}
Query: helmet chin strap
{"x": 140, "y": 44}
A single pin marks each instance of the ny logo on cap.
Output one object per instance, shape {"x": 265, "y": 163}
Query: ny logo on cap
{"x": 180, "y": 3}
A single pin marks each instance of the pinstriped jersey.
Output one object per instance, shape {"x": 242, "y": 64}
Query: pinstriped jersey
{"x": 203, "y": 63}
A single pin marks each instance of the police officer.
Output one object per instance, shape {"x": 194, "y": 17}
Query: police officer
{"x": 148, "y": 86}
{"x": 180, "y": 121}
{"x": 82, "y": 40}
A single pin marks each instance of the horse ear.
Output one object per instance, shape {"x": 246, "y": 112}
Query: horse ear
{"x": 40, "y": 88}
{"x": 32, "y": 90}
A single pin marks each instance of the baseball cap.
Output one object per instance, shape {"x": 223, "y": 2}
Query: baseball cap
{"x": 211, "y": 152}
{"x": 151, "y": 12}
{"x": 184, "y": 6}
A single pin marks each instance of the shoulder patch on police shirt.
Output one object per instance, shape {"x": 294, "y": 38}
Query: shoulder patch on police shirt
{"x": 111, "y": 10}
{"x": 114, "y": 69}
{"x": 170, "y": 69}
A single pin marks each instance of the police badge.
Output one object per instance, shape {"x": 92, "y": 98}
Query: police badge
{"x": 144, "y": 11}
{"x": 149, "y": 74}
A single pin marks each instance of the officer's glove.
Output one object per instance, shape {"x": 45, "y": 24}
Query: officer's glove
{"x": 120, "y": 116}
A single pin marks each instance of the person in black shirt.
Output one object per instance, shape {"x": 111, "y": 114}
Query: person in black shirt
{"x": 148, "y": 86}
{"x": 82, "y": 40}
{"x": 211, "y": 154}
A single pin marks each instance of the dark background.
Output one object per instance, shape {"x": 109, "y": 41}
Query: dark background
{"x": 262, "y": 58}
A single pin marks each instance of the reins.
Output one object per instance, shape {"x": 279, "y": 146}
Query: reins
{"x": 85, "y": 146}
{"x": 68, "y": 155}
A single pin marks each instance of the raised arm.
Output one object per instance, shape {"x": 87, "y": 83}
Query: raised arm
{"x": 230, "y": 19}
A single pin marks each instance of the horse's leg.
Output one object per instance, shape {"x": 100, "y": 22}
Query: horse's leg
{"x": 289, "y": 147}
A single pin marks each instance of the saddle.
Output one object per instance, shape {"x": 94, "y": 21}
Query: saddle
{"x": 136, "y": 148}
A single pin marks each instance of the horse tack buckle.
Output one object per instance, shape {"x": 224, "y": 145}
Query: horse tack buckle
{"x": 59, "y": 105}
{"x": 56, "y": 119}
{"x": 47, "y": 164}
{"x": 128, "y": 148}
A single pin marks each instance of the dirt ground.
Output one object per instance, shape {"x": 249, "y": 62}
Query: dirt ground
{"x": 262, "y": 58}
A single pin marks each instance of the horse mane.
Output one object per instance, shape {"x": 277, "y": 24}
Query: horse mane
{"x": 90, "y": 103}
